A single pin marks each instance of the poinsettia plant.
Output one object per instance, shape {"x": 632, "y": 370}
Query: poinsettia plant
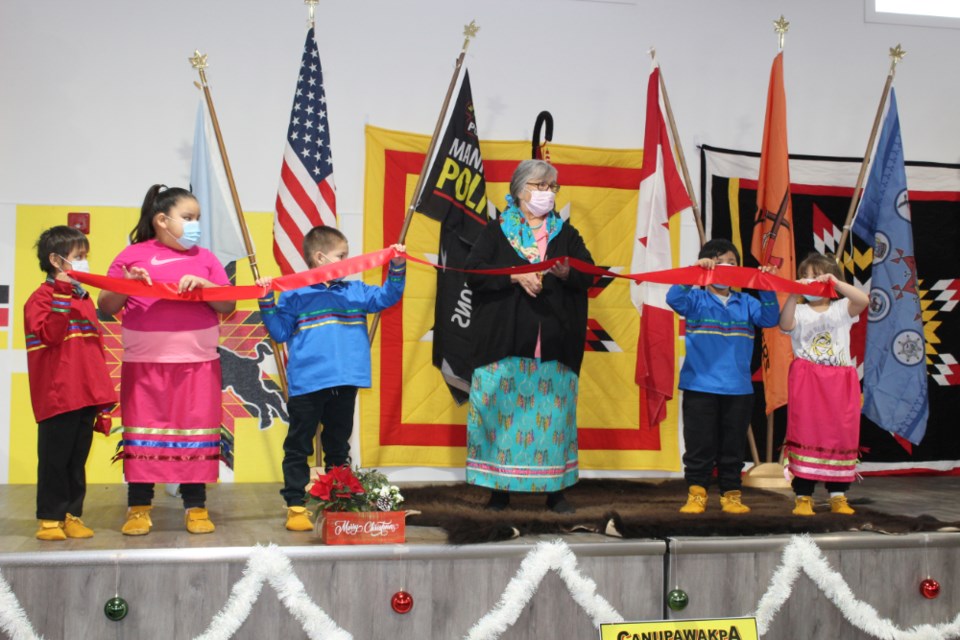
{"x": 346, "y": 489}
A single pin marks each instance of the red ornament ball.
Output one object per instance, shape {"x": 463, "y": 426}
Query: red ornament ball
{"x": 929, "y": 588}
{"x": 402, "y": 602}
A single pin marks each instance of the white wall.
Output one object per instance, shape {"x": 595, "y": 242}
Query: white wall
{"x": 97, "y": 102}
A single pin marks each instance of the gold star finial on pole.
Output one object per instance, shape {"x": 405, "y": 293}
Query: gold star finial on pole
{"x": 469, "y": 31}
{"x": 781, "y": 26}
{"x": 199, "y": 62}
{"x": 896, "y": 55}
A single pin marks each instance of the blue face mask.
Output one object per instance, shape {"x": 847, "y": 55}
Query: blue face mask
{"x": 191, "y": 234}
{"x": 813, "y": 299}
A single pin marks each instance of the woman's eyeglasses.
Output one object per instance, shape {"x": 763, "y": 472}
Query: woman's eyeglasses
{"x": 545, "y": 186}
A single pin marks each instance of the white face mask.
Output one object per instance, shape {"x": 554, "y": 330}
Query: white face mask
{"x": 541, "y": 202}
{"x": 78, "y": 265}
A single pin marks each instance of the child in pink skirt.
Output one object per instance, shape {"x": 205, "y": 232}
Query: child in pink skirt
{"x": 170, "y": 382}
{"x": 823, "y": 411}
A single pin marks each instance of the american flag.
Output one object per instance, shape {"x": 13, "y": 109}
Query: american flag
{"x": 306, "y": 197}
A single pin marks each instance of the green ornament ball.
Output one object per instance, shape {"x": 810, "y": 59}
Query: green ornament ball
{"x": 678, "y": 600}
{"x": 116, "y": 608}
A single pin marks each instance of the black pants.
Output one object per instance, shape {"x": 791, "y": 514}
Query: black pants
{"x": 715, "y": 434}
{"x": 63, "y": 444}
{"x": 804, "y": 487}
{"x": 140, "y": 494}
{"x": 333, "y": 408}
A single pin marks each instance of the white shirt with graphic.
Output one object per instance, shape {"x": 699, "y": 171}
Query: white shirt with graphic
{"x": 823, "y": 338}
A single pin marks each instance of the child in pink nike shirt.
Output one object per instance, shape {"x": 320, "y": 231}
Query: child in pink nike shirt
{"x": 170, "y": 385}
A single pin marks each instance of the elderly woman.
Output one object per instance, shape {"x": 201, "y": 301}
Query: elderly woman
{"x": 529, "y": 339}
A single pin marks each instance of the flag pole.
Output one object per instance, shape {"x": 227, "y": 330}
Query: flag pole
{"x": 469, "y": 31}
{"x": 896, "y": 55}
{"x": 199, "y": 62}
{"x": 679, "y": 151}
{"x": 767, "y": 474}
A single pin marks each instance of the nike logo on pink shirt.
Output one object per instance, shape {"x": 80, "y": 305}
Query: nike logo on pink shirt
{"x": 157, "y": 263}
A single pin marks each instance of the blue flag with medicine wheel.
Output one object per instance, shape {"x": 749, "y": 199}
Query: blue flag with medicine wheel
{"x": 894, "y": 369}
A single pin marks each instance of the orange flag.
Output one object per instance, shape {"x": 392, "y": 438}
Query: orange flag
{"x": 773, "y": 230}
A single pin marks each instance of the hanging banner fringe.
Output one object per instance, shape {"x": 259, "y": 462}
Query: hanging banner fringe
{"x": 734, "y": 276}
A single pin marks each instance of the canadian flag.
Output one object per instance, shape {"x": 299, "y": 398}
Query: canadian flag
{"x": 662, "y": 195}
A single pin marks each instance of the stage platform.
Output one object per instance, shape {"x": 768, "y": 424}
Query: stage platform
{"x": 176, "y": 583}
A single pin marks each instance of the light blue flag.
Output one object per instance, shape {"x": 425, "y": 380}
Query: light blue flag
{"x": 894, "y": 369}
{"x": 219, "y": 226}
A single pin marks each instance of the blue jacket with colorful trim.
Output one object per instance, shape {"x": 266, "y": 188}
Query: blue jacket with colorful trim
{"x": 326, "y": 326}
{"x": 719, "y": 338}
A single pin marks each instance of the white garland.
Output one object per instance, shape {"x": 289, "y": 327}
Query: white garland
{"x": 544, "y": 557}
{"x": 801, "y": 554}
{"x": 13, "y": 620}
{"x": 269, "y": 564}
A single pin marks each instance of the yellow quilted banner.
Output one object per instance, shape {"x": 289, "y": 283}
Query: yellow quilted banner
{"x": 409, "y": 418}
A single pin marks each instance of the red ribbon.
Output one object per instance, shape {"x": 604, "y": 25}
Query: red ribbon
{"x": 734, "y": 276}
{"x": 168, "y": 290}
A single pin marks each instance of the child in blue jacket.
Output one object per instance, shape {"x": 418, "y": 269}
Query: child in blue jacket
{"x": 329, "y": 359}
{"x": 716, "y": 377}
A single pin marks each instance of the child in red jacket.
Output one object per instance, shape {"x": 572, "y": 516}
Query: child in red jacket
{"x": 69, "y": 381}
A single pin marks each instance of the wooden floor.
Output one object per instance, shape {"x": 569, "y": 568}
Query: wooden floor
{"x": 905, "y": 495}
{"x": 247, "y": 514}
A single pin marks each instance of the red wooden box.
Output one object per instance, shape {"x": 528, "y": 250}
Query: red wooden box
{"x": 365, "y": 527}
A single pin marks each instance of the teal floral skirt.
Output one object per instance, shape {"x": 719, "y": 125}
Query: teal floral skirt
{"x": 522, "y": 426}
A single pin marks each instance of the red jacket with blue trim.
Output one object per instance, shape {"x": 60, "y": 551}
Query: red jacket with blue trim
{"x": 66, "y": 363}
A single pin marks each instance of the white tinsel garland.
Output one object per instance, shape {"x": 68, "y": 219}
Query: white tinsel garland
{"x": 544, "y": 557}
{"x": 801, "y": 554}
{"x": 13, "y": 620}
{"x": 269, "y": 564}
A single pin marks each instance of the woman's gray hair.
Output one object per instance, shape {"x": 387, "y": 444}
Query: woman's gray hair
{"x": 530, "y": 171}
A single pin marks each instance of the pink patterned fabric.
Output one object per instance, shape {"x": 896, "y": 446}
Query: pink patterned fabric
{"x": 823, "y": 422}
{"x": 163, "y": 409}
